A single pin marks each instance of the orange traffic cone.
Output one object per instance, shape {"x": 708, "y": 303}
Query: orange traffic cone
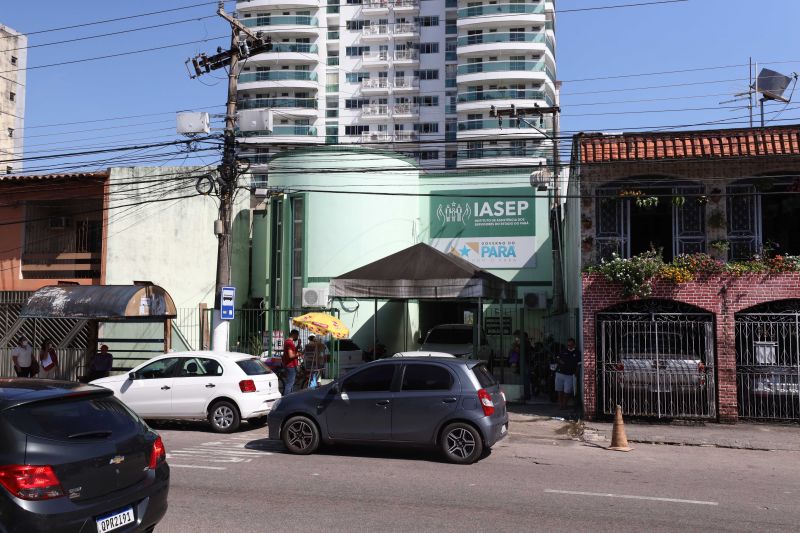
{"x": 619, "y": 441}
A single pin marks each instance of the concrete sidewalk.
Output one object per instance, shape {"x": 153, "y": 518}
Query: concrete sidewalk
{"x": 544, "y": 423}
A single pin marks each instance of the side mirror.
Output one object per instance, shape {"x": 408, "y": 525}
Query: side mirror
{"x": 132, "y": 376}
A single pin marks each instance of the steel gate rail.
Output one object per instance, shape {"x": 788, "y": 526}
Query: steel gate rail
{"x": 768, "y": 362}
{"x": 657, "y": 364}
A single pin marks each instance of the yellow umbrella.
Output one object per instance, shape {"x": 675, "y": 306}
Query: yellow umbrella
{"x": 322, "y": 324}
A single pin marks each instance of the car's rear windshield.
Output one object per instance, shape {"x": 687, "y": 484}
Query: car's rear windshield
{"x": 253, "y": 367}
{"x": 74, "y": 418}
{"x": 485, "y": 378}
{"x": 450, "y": 336}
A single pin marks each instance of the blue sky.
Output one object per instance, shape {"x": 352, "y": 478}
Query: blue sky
{"x": 698, "y": 34}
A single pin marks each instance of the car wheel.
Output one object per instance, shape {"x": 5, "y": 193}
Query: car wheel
{"x": 300, "y": 435}
{"x": 224, "y": 417}
{"x": 259, "y": 422}
{"x": 461, "y": 443}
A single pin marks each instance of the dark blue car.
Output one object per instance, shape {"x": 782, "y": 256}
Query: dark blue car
{"x": 74, "y": 458}
{"x": 452, "y": 404}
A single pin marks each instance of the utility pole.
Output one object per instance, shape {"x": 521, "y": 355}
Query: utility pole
{"x": 251, "y": 44}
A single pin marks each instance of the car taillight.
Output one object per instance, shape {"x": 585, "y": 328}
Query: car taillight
{"x": 158, "y": 454}
{"x": 247, "y": 385}
{"x": 31, "y": 482}
{"x": 486, "y": 402}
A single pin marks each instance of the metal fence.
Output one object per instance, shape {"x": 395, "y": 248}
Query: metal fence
{"x": 768, "y": 365}
{"x": 657, "y": 364}
{"x": 71, "y": 363}
{"x": 253, "y": 331}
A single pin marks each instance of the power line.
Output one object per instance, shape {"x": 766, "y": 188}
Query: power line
{"x": 117, "y": 19}
{"x": 120, "y": 54}
{"x": 111, "y": 34}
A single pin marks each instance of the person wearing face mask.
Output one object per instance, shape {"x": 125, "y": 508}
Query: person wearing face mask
{"x": 566, "y": 366}
{"x": 22, "y": 356}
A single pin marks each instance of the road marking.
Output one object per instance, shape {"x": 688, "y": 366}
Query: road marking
{"x": 198, "y": 466}
{"x": 629, "y": 497}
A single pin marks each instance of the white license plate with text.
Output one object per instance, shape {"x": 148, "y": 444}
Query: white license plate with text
{"x": 116, "y": 520}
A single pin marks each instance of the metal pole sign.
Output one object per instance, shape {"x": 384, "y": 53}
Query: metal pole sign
{"x": 227, "y": 299}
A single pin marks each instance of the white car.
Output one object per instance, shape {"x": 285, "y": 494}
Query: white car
{"x": 423, "y": 354}
{"x": 456, "y": 339}
{"x": 221, "y": 387}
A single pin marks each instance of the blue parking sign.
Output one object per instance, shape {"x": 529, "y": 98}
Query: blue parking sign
{"x": 227, "y": 299}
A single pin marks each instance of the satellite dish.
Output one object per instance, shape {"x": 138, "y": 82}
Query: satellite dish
{"x": 772, "y": 85}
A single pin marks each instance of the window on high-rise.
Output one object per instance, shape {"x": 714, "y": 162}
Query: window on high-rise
{"x": 427, "y": 74}
{"x": 356, "y": 130}
{"x": 427, "y": 21}
{"x": 429, "y": 48}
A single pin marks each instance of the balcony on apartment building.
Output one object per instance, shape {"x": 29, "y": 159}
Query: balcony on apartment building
{"x": 268, "y": 21}
{"x": 63, "y": 240}
{"x": 303, "y": 107}
{"x": 382, "y": 137}
{"x": 289, "y": 51}
{"x": 382, "y": 7}
{"x": 381, "y": 32}
{"x": 504, "y": 70}
{"x": 279, "y": 79}
{"x": 383, "y": 111}
{"x": 505, "y": 42}
{"x": 383, "y": 58}
{"x": 500, "y": 9}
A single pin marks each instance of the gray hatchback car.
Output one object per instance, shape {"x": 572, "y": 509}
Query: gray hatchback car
{"x": 452, "y": 404}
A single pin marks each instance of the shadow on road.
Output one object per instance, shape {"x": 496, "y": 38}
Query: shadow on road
{"x": 377, "y": 451}
{"x": 195, "y": 425}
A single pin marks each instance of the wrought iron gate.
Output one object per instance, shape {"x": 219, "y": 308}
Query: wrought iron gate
{"x": 768, "y": 361}
{"x": 658, "y": 364}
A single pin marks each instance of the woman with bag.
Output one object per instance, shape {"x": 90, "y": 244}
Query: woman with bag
{"x": 48, "y": 361}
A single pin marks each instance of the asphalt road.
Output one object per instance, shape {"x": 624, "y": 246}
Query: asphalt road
{"x": 243, "y": 482}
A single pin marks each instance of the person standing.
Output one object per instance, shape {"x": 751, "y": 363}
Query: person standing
{"x": 48, "y": 360}
{"x": 290, "y": 360}
{"x": 22, "y": 356}
{"x": 101, "y": 364}
{"x": 566, "y": 366}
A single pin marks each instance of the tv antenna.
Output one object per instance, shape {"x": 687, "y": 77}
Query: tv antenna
{"x": 771, "y": 85}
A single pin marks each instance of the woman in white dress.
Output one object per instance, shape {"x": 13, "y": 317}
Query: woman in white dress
{"x": 48, "y": 361}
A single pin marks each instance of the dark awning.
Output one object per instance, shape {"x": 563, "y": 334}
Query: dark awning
{"x": 420, "y": 272}
{"x": 149, "y": 303}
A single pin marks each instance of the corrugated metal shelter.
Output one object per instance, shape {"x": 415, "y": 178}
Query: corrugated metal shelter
{"x": 104, "y": 303}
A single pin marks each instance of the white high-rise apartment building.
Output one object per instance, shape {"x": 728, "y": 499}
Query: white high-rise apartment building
{"x": 415, "y": 76}
{"x": 13, "y": 58}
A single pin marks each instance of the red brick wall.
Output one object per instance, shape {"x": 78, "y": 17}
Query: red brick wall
{"x": 724, "y": 296}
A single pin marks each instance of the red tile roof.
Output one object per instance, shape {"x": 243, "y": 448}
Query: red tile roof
{"x": 710, "y": 144}
{"x": 103, "y": 174}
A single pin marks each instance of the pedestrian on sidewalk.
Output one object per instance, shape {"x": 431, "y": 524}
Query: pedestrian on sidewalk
{"x": 566, "y": 366}
{"x": 22, "y": 356}
{"x": 48, "y": 360}
{"x": 290, "y": 360}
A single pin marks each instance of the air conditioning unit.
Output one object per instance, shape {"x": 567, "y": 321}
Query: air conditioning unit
{"x": 315, "y": 297}
{"x": 535, "y": 300}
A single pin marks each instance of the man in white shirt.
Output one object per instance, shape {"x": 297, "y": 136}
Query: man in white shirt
{"x": 22, "y": 356}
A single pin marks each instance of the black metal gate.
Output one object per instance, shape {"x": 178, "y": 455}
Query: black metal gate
{"x": 768, "y": 361}
{"x": 657, "y": 363}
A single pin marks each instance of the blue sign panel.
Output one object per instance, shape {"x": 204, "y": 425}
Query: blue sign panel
{"x": 227, "y": 299}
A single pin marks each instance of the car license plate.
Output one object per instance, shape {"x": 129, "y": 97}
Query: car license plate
{"x": 116, "y": 520}
{"x": 503, "y": 429}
